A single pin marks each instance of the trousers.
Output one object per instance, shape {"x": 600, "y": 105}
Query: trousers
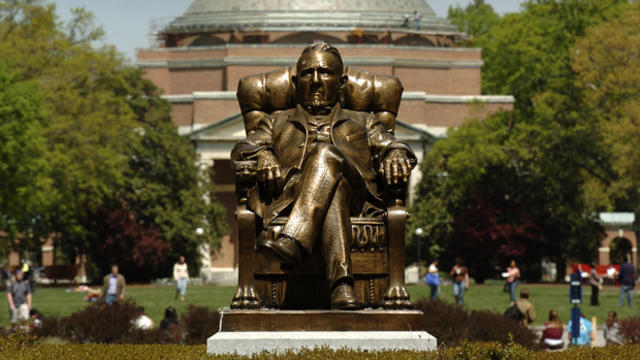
{"x": 321, "y": 212}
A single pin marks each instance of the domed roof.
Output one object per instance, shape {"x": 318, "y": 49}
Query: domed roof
{"x": 205, "y": 15}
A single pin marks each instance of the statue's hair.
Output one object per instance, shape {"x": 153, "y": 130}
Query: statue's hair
{"x": 322, "y": 46}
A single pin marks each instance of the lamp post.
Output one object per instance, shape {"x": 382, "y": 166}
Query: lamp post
{"x": 418, "y": 233}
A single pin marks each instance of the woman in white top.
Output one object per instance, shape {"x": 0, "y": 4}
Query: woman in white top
{"x": 181, "y": 276}
{"x": 433, "y": 279}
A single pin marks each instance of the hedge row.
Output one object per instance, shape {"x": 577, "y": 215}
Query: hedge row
{"x": 98, "y": 323}
{"x": 18, "y": 347}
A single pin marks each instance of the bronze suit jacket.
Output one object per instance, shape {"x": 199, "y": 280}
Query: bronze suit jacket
{"x": 359, "y": 136}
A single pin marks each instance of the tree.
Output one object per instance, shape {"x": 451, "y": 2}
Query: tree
{"x": 475, "y": 19}
{"x": 110, "y": 148}
{"x": 522, "y": 175}
{"x": 608, "y": 75}
{"x": 22, "y": 144}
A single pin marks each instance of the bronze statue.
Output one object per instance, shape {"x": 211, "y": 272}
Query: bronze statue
{"x": 320, "y": 164}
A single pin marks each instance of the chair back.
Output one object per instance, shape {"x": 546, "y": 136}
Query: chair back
{"x": 265, "y": 93}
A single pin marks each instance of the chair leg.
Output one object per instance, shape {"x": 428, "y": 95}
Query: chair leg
{"x": 246, "y": 296}
{"x": 396, "y": 296}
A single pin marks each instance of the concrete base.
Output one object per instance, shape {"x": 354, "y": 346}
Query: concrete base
{"x": 219, "y": 276}
{"x": 254, "y": 342}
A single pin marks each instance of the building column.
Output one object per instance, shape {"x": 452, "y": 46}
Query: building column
{"x": 604, "y": 255}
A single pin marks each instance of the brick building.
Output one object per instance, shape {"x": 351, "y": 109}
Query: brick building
{"x": 198, "y": 58}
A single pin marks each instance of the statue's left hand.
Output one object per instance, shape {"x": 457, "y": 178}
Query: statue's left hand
{"x": 396, "y": 167}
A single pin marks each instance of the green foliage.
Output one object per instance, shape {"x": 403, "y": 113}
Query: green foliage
{"x": 475, "y": 19}
{"x": 453, "y": 325}
{"x": 608, "y": 77}
{"x": 101, "y": 141}
{"x": 22, "y": 145}
{"x": 16, "y": 348}
{"x": 519, "y": 185}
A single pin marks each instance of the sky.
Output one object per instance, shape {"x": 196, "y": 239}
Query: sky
{"x": 127, "y": 23}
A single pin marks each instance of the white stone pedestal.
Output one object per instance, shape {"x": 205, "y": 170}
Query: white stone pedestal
{"x": 254, "y": 342}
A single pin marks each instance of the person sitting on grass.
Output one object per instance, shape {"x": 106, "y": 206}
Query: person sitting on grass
{"x": 526, "y": 308}
{"x": 586, "y": 335}
{"x": 611, "y": 330}
{"x": 142, "y": 321}
{"x": 552, "y": 333}
{"x": 169, "y": 324}
{"x": 36, "y": 319}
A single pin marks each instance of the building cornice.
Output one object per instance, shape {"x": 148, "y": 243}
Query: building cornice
{"x": 288, "y": 61}
{"x": 406, "y": 96}
{"x": 300, "y": 46}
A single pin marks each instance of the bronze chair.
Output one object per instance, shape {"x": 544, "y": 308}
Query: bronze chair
{"x": 377, "y": 253}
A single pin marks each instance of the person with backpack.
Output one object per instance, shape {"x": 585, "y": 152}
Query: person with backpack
{"x": 522, "y": 310}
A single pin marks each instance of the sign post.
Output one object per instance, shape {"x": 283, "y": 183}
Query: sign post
{"x": 575, "y": 297}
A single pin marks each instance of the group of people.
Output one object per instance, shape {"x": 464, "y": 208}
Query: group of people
{"x": 417, "y": 17}
{"x": 114, "y": 284}
{"x": 20, "y": 290}
{"x": 459, "y": 276}
{"x": 169, "y": 322}
{"x": 523, "y": 311}
{"x": 553, "y": 331}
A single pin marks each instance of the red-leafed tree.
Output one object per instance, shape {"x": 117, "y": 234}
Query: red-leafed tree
{"x": 488, "y": 235}
{"x": 137, "y": 248}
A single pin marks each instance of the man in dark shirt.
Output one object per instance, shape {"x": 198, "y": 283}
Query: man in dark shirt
{"x": 19, "y": 299}
{"x": 626, "y": 282}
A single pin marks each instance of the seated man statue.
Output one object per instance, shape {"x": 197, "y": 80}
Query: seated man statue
{"x": 317, "y": 164}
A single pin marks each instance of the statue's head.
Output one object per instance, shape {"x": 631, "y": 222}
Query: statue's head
{"x": 319, "y": 78}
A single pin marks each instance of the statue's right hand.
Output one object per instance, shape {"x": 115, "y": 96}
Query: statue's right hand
{"x": 268, "y": 171}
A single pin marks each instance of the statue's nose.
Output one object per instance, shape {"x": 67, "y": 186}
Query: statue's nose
{"x": 316, "y": 78}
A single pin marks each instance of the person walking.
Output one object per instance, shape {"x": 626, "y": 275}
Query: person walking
{"x": 433, "y": 279}
{"x": 460, "y": 275}
{"x": 594, "y": 281}
{"x": 181, "y": 276}
{"x": 19, "y": 299}
{"x": 626, "y": 278}
{"x": 113, "y": 286}
{"x": 513, "y": 274}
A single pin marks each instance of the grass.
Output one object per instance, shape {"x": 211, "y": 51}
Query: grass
{"x": 61, "y": 301}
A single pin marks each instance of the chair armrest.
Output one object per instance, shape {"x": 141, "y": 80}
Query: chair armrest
{"x": 245, "y": 171}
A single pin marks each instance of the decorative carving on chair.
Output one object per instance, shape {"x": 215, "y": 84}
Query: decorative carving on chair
{"x": 321, "y": 183}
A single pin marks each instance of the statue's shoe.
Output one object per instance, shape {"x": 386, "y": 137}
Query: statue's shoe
{"x": 285, "y": 250}
{"x": 343, "y": 298}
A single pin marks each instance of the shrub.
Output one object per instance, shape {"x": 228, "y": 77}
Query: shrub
{"x": 100, "y": 323}
{"x": 630, "y": 330}
{"x": 200, "y": 323}
{"x": 446, "y": 321}
{"x": 18, "y": 348}
{"x": 489, "y": 326}
{"x": 451, "y": 325}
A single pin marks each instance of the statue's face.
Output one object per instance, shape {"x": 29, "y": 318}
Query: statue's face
{"x": 318, "y": 81}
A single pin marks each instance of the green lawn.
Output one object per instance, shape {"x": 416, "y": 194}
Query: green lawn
{"x": 59, "y": 301}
